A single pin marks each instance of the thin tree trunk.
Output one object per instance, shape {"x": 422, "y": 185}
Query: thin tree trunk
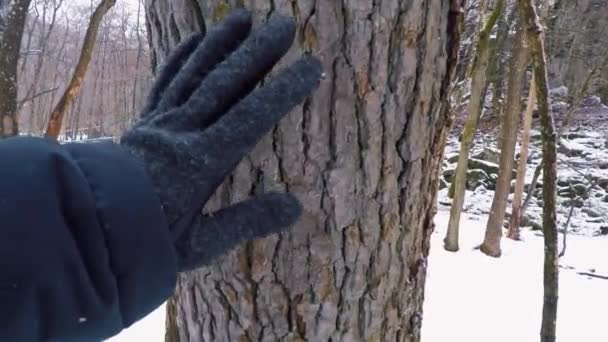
{"x": 362, "y": 155}
{"x": 134, "y": 103}
{"x": 535, "y": 38}
{"x": 13, "y": 15}
{"x": 508, "y": 135}
{"x": 478, "y": 83}
{"x": 56, "y": 118}
{"x": 523, "y": 161}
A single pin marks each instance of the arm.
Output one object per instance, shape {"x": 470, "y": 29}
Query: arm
{"x": 80, "y": 257}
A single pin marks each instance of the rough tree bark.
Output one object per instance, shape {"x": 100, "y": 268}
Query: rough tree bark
{"x": 508, "y": 135}
{"x": 535, "y": 36}
{"x": 363, "y": 157}
{"x": 521, "y": 166}
{"x": 66, "y": 100}
{"x": 478, "y": 84}
{"x": 13, "y": 15}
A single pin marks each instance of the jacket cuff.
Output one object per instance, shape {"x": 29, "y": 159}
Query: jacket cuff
{"x": 140, "y": 246}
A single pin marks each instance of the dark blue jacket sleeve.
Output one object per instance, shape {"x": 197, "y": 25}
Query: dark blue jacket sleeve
{"x": 84, "y": 247}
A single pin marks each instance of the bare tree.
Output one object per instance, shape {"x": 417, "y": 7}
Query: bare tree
{"x": 535, "y": 38}
{"x": 508, "y": 137}
{"x": 56, "y": 118}
{"x": 521, "y": 167}
{"x": 478, "y": 84}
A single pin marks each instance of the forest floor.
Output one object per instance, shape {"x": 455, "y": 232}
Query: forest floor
{"x": 474, "y": 298}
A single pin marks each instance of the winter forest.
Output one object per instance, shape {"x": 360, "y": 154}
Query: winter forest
{"x": 452, "y": 165}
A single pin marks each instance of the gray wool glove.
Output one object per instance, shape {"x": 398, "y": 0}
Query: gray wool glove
{"x": 203, "y": 115}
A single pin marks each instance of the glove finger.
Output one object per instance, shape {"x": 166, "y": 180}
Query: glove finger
{"x": 229, "y": 139}
{"x": 176, "y": 60}
{"x": 212, "y": 236}
{"x": 234, "y": 78}
{"x": 221, "y": 41}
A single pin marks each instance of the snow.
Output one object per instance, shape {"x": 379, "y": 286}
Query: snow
{"x": 474, "y": 298}
{"x": 471, "y": 297}
{"x": 149, "y": 329}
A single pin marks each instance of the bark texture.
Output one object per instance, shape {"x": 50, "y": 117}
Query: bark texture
{"x": 508, "y": 137}
{"x": 535, "y": 34}
{"x": 521, "y": 166}
{"x": 363, "y": 157}
{"x": 12, "y": 24}
{"x": 66, "y": 100}
{"x": 478, "y": 84}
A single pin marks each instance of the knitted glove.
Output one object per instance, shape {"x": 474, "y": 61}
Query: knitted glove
{"x": 203, "y": 115}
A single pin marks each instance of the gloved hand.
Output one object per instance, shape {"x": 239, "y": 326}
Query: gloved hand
{"x": 203, "y": 115}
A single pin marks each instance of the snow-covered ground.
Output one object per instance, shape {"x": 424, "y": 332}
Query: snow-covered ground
{"x": 474, "y": 298}
{"x": 149, "y": 329}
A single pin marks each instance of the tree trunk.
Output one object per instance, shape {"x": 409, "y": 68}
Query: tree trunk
{"x": 534, "y": 32}
{"x": 12, "y": 23}
{"x": 362, "y": 155}
{"x": 508, "y": 135}
{"x": 478, "y": 83}
{"x": 56, "y": 118}
{"x": 521, "y": 166}
{"x": 497, "y": 76}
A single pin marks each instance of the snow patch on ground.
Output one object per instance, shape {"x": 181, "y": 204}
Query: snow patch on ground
{"x": 149, "y": 329}
{"x": 471, "y": 297}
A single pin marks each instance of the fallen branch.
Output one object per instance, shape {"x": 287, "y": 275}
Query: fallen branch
{"x": 593, "y": 275}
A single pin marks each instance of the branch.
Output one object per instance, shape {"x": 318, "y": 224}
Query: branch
{"x": 30, "y": 98}
{"x": 56, "y": 118}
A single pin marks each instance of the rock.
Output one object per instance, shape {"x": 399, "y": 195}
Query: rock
{"x": 565, "y": 182}
{"x": 559, "y": 107}
{"x": 452, "y": 159}
{"x": 539, "y": 185}
{"x": 577, "y": 203}
{"x": 488, "y": 154}
{"x": 576, "y": 135}
{"x": 448, "y": 175}
{"x": 570, "y": 148}
{"x": 442, "y": 184}
{"x": 591, "y": 101}
{"x": 475, "y": 178}
{"x": 488, "y": 167}
{"x": 581, "y": 190}
{"x": 604, "y": 230}
{"x": 559, "y": 92}
{"x": 566, "y": 192}
{"x": 605, "y": 199}
{"x": 603, "y": 165}
{"x": 602, "y": 183}
{"x": 592, "y": 212}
